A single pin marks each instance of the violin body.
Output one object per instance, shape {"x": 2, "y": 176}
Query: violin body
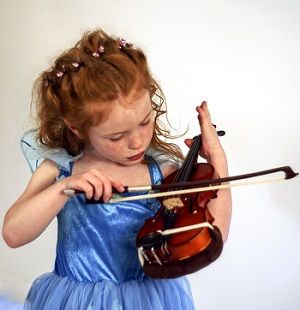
{"x": 176, "y": 253}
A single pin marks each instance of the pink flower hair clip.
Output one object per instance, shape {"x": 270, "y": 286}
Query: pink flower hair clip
{"x": 99, "y": 52}
{"x": 77, "y": 65}
{"x": 60, "y": 73}
{"x": 122, "y": 43}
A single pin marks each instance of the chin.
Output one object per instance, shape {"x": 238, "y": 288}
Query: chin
{"x": 132, "y": 162}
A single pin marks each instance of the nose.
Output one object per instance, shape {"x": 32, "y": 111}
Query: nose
{"x": 135, "y": 140}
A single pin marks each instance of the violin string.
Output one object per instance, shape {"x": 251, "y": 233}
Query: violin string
{"x": 185, "y": 171}
{"x": 195, "y": 190}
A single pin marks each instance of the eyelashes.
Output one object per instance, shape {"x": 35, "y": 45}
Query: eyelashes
{"x": 119, "y": 137}
{"x": 145, "y": 123}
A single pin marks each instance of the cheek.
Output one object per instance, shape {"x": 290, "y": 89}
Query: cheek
{"x": 150, "y": 131}
{"x": 112, "y": 149}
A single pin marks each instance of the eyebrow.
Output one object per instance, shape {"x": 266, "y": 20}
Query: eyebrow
{"x": 117, "y": 133}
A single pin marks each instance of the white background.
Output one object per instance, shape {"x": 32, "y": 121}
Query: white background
{"x": 240, "y": 56}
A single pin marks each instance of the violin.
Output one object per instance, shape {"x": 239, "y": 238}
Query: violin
{"x": 181, "y": 237}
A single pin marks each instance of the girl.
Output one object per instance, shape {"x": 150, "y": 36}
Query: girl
{"x": 99, "y": 128}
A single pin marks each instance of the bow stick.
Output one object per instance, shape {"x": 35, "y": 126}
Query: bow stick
{"x": 192, "y": 186}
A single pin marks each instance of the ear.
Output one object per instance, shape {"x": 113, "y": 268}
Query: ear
{"x": 73, "y": 129}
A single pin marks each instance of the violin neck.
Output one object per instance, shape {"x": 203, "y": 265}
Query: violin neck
{"x": 190, "y": 160}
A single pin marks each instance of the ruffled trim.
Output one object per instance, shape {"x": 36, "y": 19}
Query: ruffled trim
{"x": 35, "y": 153}
{"x": 50, "y": 292}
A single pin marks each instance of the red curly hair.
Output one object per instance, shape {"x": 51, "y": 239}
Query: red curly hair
{"x": 81, "y": 84}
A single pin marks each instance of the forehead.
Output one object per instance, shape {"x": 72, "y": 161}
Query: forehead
{"x": 125, "y": 113}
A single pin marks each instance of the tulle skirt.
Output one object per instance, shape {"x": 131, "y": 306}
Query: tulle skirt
{"x": 7, "y": 304}
{"x": 51, "y": 292}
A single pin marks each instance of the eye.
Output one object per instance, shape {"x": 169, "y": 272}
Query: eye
{"x": 146, "y": 122}
{"x": 117, "y": 138}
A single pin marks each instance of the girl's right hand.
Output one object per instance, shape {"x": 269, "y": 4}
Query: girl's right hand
{"x": 94, "y": 183}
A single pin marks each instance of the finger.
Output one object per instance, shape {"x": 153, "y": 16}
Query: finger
{"x": 107, "y": 189}
{"x": 204, "y": 107}
{"x": 98, "y": 187}
{"x": 80, "y": 184}
{"x": 208, "y": 129}
{"x": 188, "y": 142}
{"x": 117, "y": 185}
{"x": 203, "y": 114}
{"x": 104, "y": 186}
{"x": 86, "y": 187}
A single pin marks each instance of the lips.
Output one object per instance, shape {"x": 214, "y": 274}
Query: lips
{"x": 136, "y": 157}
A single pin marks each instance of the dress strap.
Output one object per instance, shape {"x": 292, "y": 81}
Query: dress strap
{"x": 154, "y": 171}
{"x": 63, "y": 173}
{"x": 156, "y": 161}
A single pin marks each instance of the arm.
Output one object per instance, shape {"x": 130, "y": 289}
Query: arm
{"x": 220, "y": 207}
{"x": 213, "y": 152}
{"x": 30, "y": 215}
{"x": 43, "y": 198}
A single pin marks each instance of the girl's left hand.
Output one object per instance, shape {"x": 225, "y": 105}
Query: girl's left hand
{"x": 210, "y": 141}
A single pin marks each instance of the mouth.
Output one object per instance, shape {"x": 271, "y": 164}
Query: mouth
{"x": 136, "y": 157}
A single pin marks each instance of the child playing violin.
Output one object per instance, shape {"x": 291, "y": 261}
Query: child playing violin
{"x": 99, "y": 128}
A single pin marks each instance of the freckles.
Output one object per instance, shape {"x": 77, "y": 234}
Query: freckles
{"x": 116, "y": 149}
{"x": 112, "y": 148}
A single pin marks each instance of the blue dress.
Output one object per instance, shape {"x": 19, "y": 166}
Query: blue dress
{"x": 97, "y": 264}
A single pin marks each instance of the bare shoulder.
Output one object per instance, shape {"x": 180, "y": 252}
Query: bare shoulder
{"x": 47, "y": 169}
{"x": 43, "y": 177}
{"x": 167, "y": 170}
